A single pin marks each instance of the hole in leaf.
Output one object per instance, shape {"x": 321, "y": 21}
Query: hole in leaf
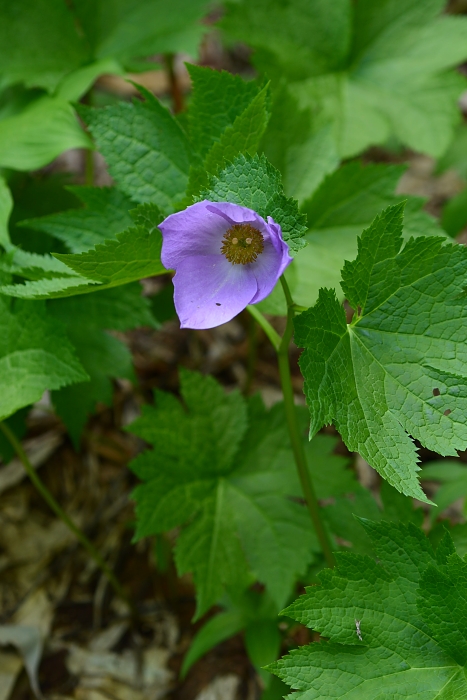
{"x": 447, "y": 412}
{"x": 436, "y": 392}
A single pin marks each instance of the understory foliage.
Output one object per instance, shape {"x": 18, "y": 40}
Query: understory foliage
{"x": 378, "y": 289}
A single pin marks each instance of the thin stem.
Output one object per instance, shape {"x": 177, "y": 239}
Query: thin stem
{"x": 294, "y": 432}
{"x": 89, "y": 167}
{"x": 252, "y": 354}
{"x": 175, "y": 87}
{"x": 272, "y": 334}
{"x": 52, "y": 503}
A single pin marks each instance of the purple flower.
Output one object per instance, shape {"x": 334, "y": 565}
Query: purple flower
{"x": 225, "y": 256}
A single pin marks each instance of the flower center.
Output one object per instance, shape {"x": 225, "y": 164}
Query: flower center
{"x": 242, "y": 244}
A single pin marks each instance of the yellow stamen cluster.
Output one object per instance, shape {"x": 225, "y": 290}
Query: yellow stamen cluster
{"x": 242, "y": 244}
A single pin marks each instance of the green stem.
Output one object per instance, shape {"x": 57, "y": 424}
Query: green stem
{"x": 252, "y": 354}
{"x": 273, "y": 335}
{"x": 294, "y": 431}
{"x": 52, "y": 503}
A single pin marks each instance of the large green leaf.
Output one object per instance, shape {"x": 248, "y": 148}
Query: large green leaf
{"x": 146, "y": 150}
{"x": 40, "y": 43}
{"x": 399, "y": 366}
{"x": 394, "y": 628}
{"x": 223, "y": 469}
{"x": 372, "y": 68}
{"x": 47, "y": 127}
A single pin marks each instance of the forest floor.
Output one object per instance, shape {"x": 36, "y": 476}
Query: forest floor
{"x": 91, "y": 647}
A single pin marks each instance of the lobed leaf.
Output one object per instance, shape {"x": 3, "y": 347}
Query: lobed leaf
{"x": 399, "y": 366}
{"x": 412, "y": 642}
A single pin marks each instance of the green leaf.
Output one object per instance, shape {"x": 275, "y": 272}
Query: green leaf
{"x": 242, "y": 137}
{"x": 292, "y": 39}
{"x": 455, "y": 157}
{"x": 215, "y": 631}
{"x": 228, "y": 486}
{"x": 147, "y": 153}
{"x": 128, "y": 29}
{"x": 6, "y": 206}
{"x": 410, "y": 606}
{"x": 301, "y": 148}
{"x": 219, "y": 98}
{"x": 40, "y": 43}
{"x": 454, "y": 217}
{"x": 374, "y": 70}
{"x": 346, "y": 202}
{"x": 253, "y": 182}
{"x": 76, "y": 84}
{"x": 130, "y": 256}
{"x": 453, "y": 477}
{"x": 399, "y": 367}
{"x": 27, "y": 140}
{"x": 105, "y": 214}
{"x": 87, "y": 319}
{"x": 35, "y": 355}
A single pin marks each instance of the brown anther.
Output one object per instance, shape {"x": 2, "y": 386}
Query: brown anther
{"x": 242, "y": 244}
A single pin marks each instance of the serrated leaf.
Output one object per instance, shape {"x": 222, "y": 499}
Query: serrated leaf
{"x": 404, "y": 606}
{"x": 147, "y": 153}
{"x": 105, "y": 214}
{"x": 253, "y": 182}
{"x": 35, "y": 355}
{"x": 219, "y": 98}
{"x": 130, "y": 256}
{"x": 399, "y": 367}
{"x": 373, "y": 69}
{"x": 345, "y": 203}
{"x": 242, "y": 137}
{"x": 229, "y": 487}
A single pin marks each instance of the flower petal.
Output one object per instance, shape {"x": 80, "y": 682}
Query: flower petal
{"x": 271, "y": 263}
{"x": 194, "y": 231}
{"x": 236, "y": 214}
{"x": 210, "y": 291}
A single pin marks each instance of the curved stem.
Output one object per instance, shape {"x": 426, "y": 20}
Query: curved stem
{"x": 52, "y": 503}
{"x": 296, "y": 440}
{"x": 272, "y": 334}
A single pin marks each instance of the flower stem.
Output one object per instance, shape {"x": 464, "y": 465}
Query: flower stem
{"x": 282, "y": 347}
{"x": 52, "y": 503}
{"x": 272, "y": 334}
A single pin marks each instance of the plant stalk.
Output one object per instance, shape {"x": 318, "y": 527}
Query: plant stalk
{"x": 294, "y": 431}
{"x": 178, "y": 102}
{"x": 54, "y": 506}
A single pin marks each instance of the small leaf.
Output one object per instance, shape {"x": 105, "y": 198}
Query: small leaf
{"x": 253, "y": 182}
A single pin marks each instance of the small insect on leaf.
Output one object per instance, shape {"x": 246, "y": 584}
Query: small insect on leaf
{"x": 359, "y": 633}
